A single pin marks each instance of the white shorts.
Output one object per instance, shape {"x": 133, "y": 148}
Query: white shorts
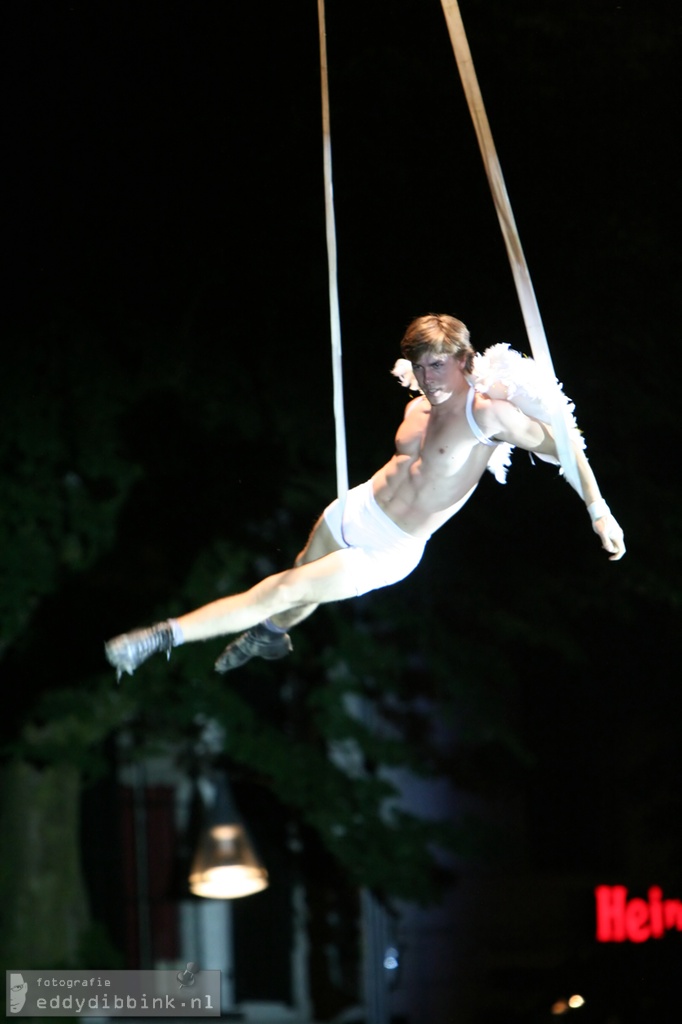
{"x": 381, "y": 552}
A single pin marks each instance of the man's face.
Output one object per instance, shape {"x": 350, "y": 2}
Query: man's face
{"x": 438, "y": 375}
{"x": 17, "y": 996}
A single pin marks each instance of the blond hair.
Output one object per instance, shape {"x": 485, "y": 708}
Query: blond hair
{"x": 437, "y": 332}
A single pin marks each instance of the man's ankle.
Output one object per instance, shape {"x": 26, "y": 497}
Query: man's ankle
{"x": 176, "y": 630}
{"x": 273, "y": 627}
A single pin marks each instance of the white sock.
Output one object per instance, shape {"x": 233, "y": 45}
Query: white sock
{"x": 269, "y": 624}
{"x": 176, "y": 629}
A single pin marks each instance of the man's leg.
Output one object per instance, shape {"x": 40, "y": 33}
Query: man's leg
{"x": 320, "y": 543}
{"x": 298, "y": 590}
{"x": 270, "y": 639}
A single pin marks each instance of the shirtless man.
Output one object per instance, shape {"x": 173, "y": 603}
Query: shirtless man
{"x": 377, "y": 535}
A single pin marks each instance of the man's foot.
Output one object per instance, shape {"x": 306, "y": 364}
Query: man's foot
{"x": 258, "y": 642}
{"x": 129, "y": 650}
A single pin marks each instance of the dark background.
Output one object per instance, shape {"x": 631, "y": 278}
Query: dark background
{"x": 163, "y": 208}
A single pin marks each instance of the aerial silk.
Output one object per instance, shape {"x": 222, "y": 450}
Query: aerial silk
{"x": 524, "y": 287}
{"x": 559, "y": 415}
{"x": 337, "y": 371}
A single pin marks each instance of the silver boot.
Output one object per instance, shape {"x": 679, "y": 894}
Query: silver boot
{"x": 127, "y": 651}
{"x": 257, "y": 642}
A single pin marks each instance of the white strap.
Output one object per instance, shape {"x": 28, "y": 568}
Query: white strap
{"x": 475, "y": 429}
{"x": 524, "y": 285}
{"x": 337, "y": 368}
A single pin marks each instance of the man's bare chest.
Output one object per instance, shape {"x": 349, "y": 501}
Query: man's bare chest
{"x": 440, "y": 443}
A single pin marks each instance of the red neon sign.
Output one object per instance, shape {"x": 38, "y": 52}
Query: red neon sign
{"x": 620, "y": 919}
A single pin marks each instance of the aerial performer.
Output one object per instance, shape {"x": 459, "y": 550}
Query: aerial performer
{"x": 473, "y": 409}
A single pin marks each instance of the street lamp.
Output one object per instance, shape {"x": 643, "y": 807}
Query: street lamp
{"x": 225, "y": 865}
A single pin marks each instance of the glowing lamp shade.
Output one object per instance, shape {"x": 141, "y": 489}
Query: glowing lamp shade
{"x": 225, "y": 866}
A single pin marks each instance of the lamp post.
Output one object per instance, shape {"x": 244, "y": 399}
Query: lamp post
{"x": 224, "y": 867}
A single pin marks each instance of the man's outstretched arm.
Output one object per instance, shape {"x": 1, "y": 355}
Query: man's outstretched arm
{"x": 533, "y": 436}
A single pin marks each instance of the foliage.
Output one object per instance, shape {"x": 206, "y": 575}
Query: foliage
{"x": 63, "y": 478}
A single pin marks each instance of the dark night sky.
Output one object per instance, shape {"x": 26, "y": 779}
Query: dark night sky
{"x": 163, "y": 167}
{"x": 156, "y": 149}
{"x": 165, "y": 163}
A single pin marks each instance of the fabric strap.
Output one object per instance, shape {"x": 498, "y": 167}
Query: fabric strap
{"x": 335, "y": 317}
{"x": 522, "y": 280}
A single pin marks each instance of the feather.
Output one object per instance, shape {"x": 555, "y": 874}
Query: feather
{"x": 502, "y": 372}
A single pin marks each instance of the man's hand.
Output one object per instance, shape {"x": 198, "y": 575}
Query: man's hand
{"x": 611, "y": 536}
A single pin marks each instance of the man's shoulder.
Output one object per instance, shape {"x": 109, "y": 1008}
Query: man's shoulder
{"x": 490, "y": 411}
{"x": 416, "y": 403}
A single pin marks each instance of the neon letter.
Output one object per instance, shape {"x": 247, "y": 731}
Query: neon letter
{"x": 611, "y": 912}
{"x": 656, "y": 912}
{"x": 637, "y": 920}
{"x": 673, "y": 914}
